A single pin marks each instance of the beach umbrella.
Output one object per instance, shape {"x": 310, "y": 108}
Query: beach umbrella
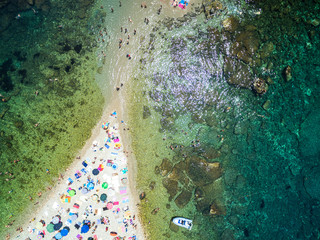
{"x": 84, "y": 190}
{"x": 90, "y": 186}
{"x": 114, "y": 166}
{"x": 95, "y": 171}
{"x": 64, "y": 232}
{"x": 84, "y": 228}
{"x": 74, "y": 217}
{"x": 55, "y": 220}
{"x": 58, "y": 235}
{"x": 57, "y": 226}
{"x": 103, "y": 197}
{"x": 72, "y": 192}
{"x": 67, "y": 228}
{"x": 109, "y": 205}
{"x": 95, "y": 197}
{"x": 39, "y": 225}
{"x": 111, "y": 192}
{"x": 105, "y": 185}
{"x": 50, "y": 228}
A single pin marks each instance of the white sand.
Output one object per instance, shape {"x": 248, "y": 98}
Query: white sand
{"x": 118, "y": 191}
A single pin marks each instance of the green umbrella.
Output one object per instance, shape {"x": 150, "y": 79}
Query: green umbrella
{"x": 105, "y": 185}
{"x": 50, "y": 228}
{"x": 72, "y": 192}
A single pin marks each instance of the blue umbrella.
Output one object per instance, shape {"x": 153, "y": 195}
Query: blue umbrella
{"x": 90, "y": 186}
{"x": 58, "y": 235}
{"x": 95, "y": 171}
{"x": 64, "y": 232}
{"x": 57, "y": 226}
{"x": 84, "y": 229}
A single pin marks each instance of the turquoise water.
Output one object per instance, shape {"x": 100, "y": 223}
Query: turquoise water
{"x": 226, "y": 119}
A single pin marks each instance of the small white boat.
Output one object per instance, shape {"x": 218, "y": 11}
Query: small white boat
{"x": 183, "y": 222}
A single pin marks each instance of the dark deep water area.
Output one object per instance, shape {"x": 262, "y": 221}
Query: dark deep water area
{"x": 49, "y": 98}
{"x": 228, "y": 97}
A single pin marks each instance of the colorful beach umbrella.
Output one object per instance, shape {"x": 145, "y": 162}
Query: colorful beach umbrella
{"x": 64, "y": 232}
{"x": 84, "y": 228}
{"x": 55, "y": 220}
{"x": 95, "y": 171}
{"x": 72, "y": 192}
{"x": 58, "y": 235}
{"x": 84, "y": 190}
{"x": 109, "y": 205}
{"x": 95, "y": 197}
{"x": 50, "y": 228}
{"x": 105, "y": 185}
{"x": 103, "y": 197}
{"x": 105, "y": 125}
{"x": 57, "y": 226}
{"x": 90, "y": 186}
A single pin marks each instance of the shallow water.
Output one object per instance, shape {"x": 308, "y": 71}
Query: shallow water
{"x": 50, "y": 100}
{"x": 194, "y": 108}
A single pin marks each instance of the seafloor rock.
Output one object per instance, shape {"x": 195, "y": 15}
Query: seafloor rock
{"x": 178, "y": 174}
{"x": 231, "y": 24}
{"x": 227, "y": 234}
{"x": 173, "y": 227}
{"x": 146, "y": 112}
{"x": 266, "y": 50}
{"x": 167, "y": 123}
{"x": 209, "y": 152}
{"x": 312, "y": 182}
{"x": 250, "y": 40}
{"x": 237, "y": 73}
{"x": 260, "y": 86}
{"x": 216, "y": 210}
{"x": 183, "y": 199}
{"x": 287, "y": 73}
{"x": 171, "y": 186}
{"x": 309, "y": 141}
{"x": 165, "y": 167}
{"x": 201, "y": 172}
{"x": 266, "y": 105}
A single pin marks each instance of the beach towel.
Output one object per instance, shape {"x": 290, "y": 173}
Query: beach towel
{"x": 123, "y": 190}
{"x": 84, "y": 163}
{"x": 125, "y": 200}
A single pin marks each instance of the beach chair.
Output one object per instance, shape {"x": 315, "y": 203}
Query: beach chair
{"x": 84, "y": 171}
{"x": 70, "y": 181}
{"x": 77, "y": 174}
{"x": 68, "y": 222}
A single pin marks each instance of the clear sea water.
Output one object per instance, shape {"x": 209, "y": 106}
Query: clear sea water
{"x": 241, "y": 161}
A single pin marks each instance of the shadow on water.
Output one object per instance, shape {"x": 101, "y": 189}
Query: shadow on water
{"x": 49, "y": 98}
{"x": 226, "y": 122}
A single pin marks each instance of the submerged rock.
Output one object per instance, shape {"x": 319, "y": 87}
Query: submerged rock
{"x": 171, "y": 186}
{"x": 183, "y": 199}
{"x": 312, "y": 182}
{"x": 231, "y": 24}
{"x": 260, "y": 86}
{"x": 165, "y": 167}
{"x": 201, "y": 172}
{"x": 146, "y": 112}
{"x": 287, "y": 73}
{"x": 237, "y": 73}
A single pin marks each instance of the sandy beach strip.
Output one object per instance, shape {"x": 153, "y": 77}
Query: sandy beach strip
{"x": 94, "y": 199}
